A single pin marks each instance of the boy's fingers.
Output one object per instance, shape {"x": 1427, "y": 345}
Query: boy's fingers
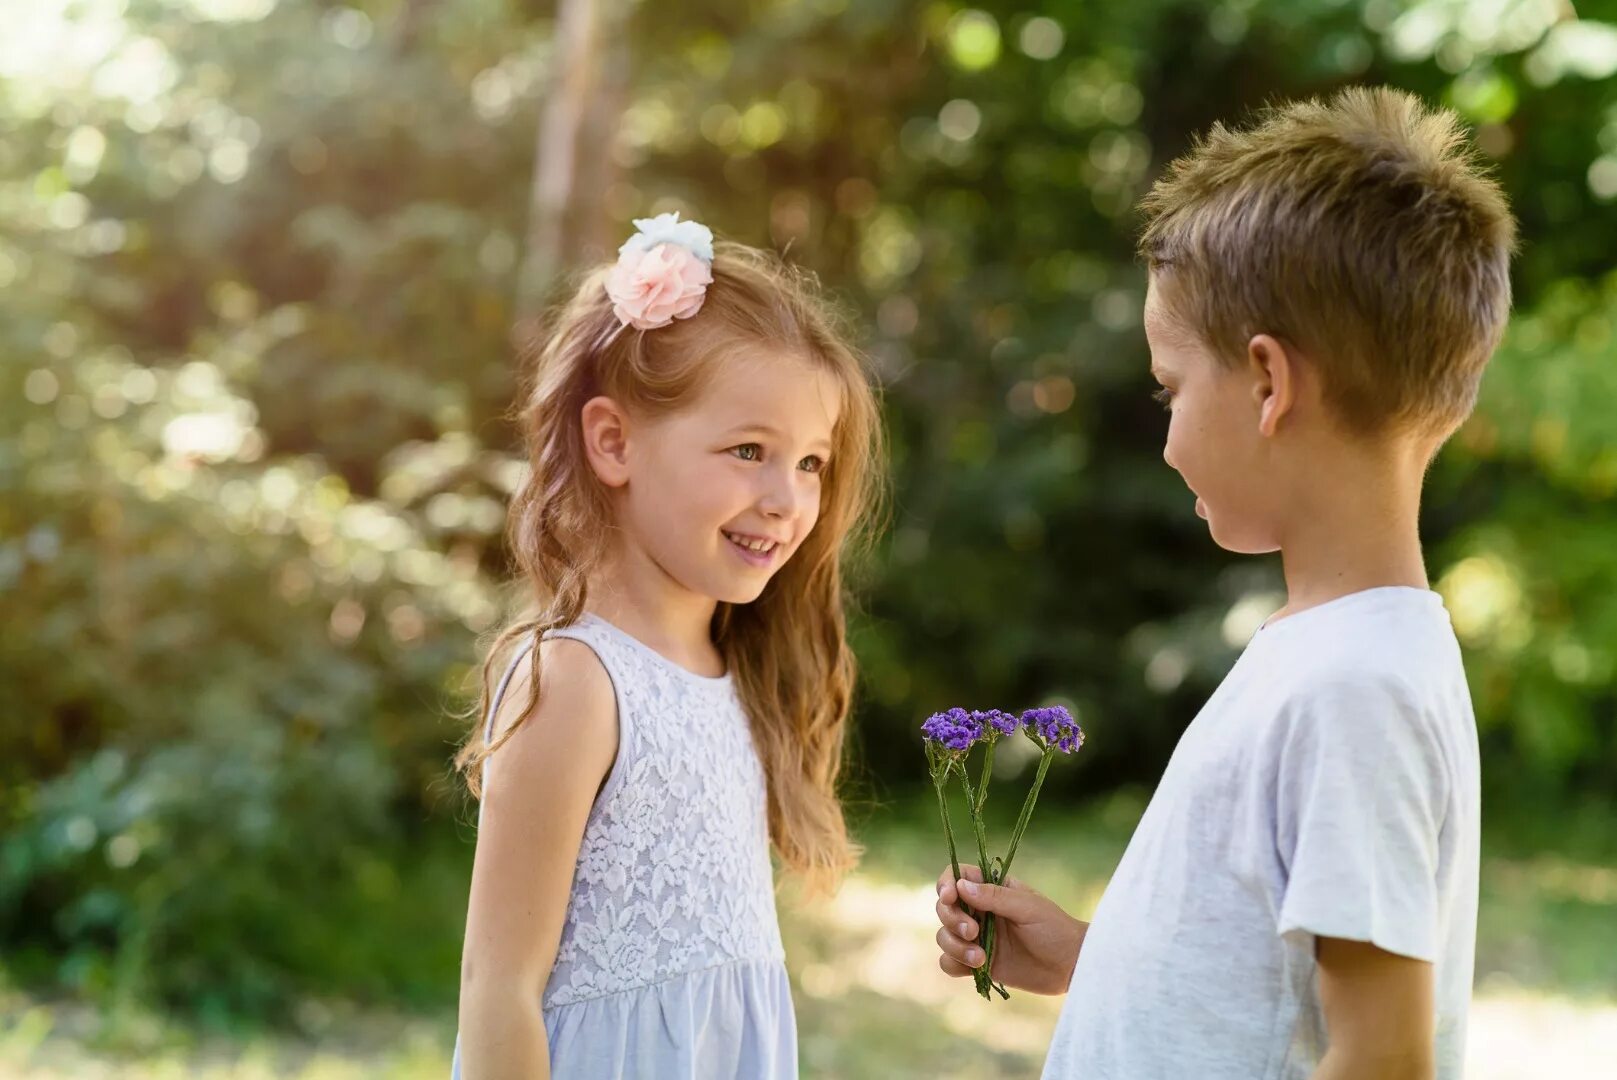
{"x": 946, "y": 878}
{"x": 962, "y": 953}
{"x": 953, "y": 967}
{"x": 956, "y": 920}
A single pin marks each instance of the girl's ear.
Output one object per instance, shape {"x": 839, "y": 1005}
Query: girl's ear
{"x": 606, "y": 440}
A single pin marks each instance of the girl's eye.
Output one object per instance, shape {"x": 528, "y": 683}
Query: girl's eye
{"x": 747, "y": 451}
{"x": 812, "y": 464}
{"x": 1164, "y": 397}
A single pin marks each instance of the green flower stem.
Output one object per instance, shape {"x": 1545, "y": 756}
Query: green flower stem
{"x": 1003, "y": 870}
{"x": 974, "y": 805}
{"x": 989, "y": 926}
{"x": 987, "y": 773}
{"x": 1027, "y": 810}
{"x": 980, "y": 974}
{"x": 948, "y": 831}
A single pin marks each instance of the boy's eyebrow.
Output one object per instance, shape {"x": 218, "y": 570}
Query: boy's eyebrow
{"x": 774, "y": 433}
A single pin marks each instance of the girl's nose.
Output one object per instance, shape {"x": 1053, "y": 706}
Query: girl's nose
{"x": 781, "y": 495}
{"x": 774, "y": 501}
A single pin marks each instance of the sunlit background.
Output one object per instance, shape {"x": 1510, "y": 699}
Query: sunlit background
{"x": 262, "y": 261}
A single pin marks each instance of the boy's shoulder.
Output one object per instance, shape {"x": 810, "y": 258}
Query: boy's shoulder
{"x": 1383, "y": 670}
{"x": 1389, "y": 639}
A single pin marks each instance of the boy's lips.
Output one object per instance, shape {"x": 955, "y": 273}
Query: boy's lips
{"x": 1201, "y": 508}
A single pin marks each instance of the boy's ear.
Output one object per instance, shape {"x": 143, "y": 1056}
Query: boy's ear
{"x": 605, "y": 426}
{"x": 1275, "y": 386}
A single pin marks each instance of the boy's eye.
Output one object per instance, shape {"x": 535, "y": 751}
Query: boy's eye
{"x": 1164, "y": 397}
{"x": 812, "y": 464}
{"x": 747, "y": 451}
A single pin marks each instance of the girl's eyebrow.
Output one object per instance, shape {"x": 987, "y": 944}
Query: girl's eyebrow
{"x": 774, "y": 433}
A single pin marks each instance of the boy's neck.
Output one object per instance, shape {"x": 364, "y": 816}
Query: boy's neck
{"x": 1356, "y": 528}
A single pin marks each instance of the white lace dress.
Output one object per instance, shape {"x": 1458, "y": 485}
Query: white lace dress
{"x": 670, "y": 965}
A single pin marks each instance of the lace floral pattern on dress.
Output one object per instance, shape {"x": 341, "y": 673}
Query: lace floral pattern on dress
{"x": 674, "y": 873}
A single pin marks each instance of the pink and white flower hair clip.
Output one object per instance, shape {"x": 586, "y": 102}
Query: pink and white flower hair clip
{"x": 662, "y": 273}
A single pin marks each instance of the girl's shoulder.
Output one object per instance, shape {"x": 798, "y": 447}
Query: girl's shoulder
{"x": 574, "y": 713}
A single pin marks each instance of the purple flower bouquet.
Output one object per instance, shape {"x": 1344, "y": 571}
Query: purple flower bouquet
{"x": 949, "y": 737}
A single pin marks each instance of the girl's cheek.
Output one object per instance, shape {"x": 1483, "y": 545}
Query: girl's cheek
{"x": 724, "y": 489}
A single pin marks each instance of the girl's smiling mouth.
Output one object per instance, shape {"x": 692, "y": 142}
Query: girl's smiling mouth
{"x": 757, "y": 550}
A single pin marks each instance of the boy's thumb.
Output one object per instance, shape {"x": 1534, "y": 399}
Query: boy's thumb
{"x": 996, "y": 898}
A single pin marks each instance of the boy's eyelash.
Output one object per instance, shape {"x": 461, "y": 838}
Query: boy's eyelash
{"x": 1163, "y": 397}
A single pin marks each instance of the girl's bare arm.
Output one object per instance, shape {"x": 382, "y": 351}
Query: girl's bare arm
{"x": 538, "y": 791}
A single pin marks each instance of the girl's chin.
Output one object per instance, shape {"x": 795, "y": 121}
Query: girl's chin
{"x": 741, "y": 593}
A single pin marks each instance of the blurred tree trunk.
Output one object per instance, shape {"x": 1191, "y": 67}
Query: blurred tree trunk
{"x": 408, "y": 23}
{"x": 573, "y": 167}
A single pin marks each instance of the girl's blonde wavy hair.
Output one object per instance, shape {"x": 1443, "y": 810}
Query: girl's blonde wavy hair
{"x": 787, "y": 651}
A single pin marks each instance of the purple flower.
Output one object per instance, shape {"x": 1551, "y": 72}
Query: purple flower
{"x": 1002, "y": 722}
{"x": 1054, "y": 728}
{"x": 953, "y": 729}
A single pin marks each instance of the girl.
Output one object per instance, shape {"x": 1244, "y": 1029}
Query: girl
{"x": 702, "y": 444}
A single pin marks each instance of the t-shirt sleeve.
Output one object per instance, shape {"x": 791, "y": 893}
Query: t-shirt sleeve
{"x": 1360, "y": 801}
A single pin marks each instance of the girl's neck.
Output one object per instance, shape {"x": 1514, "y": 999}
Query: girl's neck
{"x": 633, "y": 593}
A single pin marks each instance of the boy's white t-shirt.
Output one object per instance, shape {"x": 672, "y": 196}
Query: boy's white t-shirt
{"x": 1329, "y": 788}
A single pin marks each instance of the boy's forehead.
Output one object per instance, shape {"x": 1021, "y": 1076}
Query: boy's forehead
{"x": 1152, "y": 321}
{"x": 1157, "y": 335}
{"x": 1162, "y": 327}
{"x": 1157, "y": 322}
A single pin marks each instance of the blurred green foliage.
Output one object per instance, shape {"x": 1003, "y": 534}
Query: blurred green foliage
{"x": 258, "y": 261}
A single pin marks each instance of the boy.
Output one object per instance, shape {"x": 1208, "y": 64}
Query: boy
{"x": 1300, "y": 897}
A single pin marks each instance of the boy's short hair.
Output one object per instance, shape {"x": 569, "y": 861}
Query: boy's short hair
{"x": 1360, "y": 230}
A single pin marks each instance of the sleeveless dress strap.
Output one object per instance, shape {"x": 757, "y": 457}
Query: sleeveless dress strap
{"x": 499, "y": 691}
{"x": 603, "y": 640}
{"x": 595, "y": 634}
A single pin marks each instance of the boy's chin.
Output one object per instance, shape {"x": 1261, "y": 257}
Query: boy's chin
{"x": 1236, "y": 540}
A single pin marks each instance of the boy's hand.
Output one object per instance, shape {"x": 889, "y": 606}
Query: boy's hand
{"x": 1036, "y": 943}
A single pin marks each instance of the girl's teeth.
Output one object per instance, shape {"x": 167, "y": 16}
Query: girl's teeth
{"x": 760, "y": 546}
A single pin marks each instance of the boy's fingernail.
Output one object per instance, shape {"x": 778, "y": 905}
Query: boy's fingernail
{"x": 965, "y": 928}
{"x": 973, "y": 957}
{"x": 968, "y": 888}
